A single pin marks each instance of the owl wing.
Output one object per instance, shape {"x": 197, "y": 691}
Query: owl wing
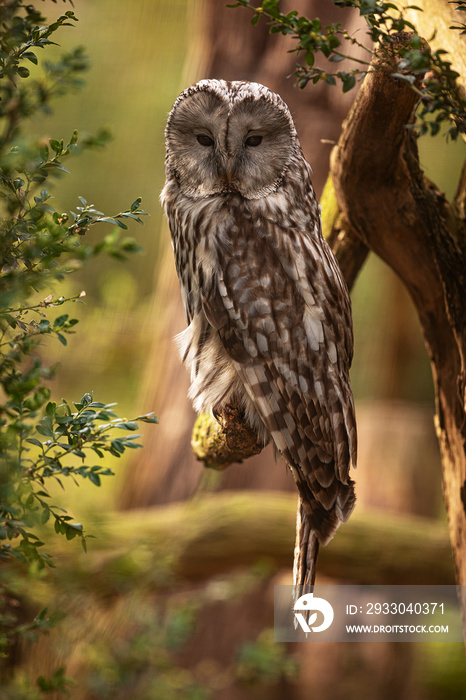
{"x": 283, "y": 314}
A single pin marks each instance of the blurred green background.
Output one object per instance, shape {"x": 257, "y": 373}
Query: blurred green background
{"x": 137, "y": 54}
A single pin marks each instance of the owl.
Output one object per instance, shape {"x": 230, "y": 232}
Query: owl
{"x": 268, "y": 311}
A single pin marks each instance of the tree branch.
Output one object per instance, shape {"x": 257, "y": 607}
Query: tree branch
{"x": 403, "y": 218}
{"x": 222, "y": 441}
{"x": 215, "y": 534}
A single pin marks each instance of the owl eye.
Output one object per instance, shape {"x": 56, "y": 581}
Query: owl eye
{"x": 253, "y": 141}
{"x": 204, "y": 140}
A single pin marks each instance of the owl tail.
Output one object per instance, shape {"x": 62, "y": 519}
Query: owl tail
{"x": 306, "y": 550}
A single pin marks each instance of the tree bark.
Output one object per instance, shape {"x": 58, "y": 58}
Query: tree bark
{"x": 405, "y": 220}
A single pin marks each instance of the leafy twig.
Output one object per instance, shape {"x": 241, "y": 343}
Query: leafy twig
{"x": 429, "y": 72}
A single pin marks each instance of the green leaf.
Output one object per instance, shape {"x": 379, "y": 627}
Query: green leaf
{"x": 51, "y": 408}
{"x": 86, "y": 400}
{"x": 30, "y": 56}
{"x": 60, "y": 167}
{"x": 128, "y": 425}
{"x": 94, "y": 478}
{"x": 34, "y": 441}
{"x": 148, "y": 419}
{"x": 349, "y": 81}
{"x": 117, "y": 447}
{"x": 10, "y": 320}
{"x": 60, "y": 321}
{"x": 270, "y": 6}
{"x": 415, "y": 41}
{"x": 407, "y": 78}
{"x": 55, "y": 146}
{"x": 44, "y": 429}
{"x": 110, "y": 220}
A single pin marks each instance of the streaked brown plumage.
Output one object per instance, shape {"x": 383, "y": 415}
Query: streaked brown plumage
{"x": 268, "y": 311}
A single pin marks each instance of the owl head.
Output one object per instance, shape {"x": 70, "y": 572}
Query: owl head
{"x": 226, "y": 137}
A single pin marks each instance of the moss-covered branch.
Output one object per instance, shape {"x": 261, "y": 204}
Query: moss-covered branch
{"x": 220, "y": 442}
{"x": 215, "y": 534}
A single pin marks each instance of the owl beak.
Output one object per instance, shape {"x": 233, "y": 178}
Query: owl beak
{"x": 227, "y": 175}
{"x": 227, "y": 171}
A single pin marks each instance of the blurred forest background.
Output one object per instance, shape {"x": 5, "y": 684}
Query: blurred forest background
{"x": 142, "y": 54}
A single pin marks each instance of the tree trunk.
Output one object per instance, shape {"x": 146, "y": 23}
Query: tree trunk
{"x": 405, "y": 220}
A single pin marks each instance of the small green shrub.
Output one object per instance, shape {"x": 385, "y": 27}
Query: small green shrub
{"x": 43, "y": 441}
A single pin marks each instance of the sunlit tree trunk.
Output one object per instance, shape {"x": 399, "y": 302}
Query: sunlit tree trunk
{"x": 407, "y": 221}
